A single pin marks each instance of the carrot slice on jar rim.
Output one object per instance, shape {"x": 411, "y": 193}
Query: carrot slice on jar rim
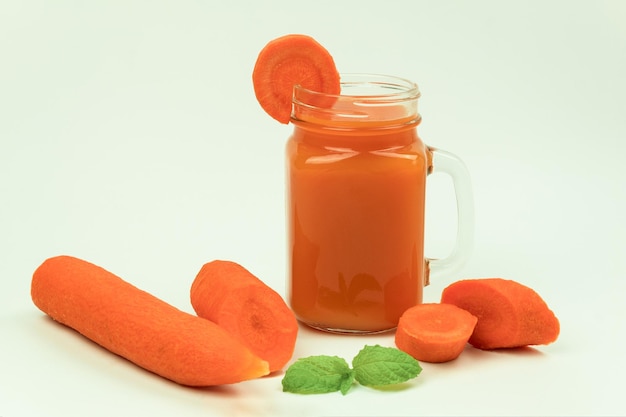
{"x": 288, "y": 61}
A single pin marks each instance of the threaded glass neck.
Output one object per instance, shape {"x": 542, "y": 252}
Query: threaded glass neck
{"x": 366, "y": 101}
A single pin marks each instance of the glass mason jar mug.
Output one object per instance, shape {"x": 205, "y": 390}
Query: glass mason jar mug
{"x": 356, "y": 179}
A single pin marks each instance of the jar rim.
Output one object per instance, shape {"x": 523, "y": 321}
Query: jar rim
{"x": 365, "y": 101}
{"x": 365, "y": 86}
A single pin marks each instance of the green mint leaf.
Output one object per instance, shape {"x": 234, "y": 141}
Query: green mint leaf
{"x": 318, "y": 375}
{"x": 378, "y": 365}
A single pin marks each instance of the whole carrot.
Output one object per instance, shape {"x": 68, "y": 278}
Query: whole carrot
{"x": 140, "y": 327}
{"x": 231, "y": 296}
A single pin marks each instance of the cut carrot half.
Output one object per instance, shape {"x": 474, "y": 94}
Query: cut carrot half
{"x": 289, "y": 61}
{"x": 231, "y": 296}
{"x": 434, "y": 332}
{"x": 509, "y": 314}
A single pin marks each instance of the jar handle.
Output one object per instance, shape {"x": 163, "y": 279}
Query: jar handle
{"x": 448, "y": 163}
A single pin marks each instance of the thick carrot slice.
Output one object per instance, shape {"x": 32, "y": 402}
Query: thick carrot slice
{"x": 140, "y": 327}
{"x": 231, "y": 296}
{"x": 434, "y": 332}
{"x": 509, "y": 314}
{"x": 289, "y": 61}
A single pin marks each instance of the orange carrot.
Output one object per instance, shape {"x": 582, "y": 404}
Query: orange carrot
{"x": 509, "y": 314}
{"x": 231, "y": 296}
{"x": 434, "y": 332}
{"x": 140, "y": 327}
{"x": 289, "y": 61}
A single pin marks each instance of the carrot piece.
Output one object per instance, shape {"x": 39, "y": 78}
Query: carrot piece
{"x": 288, "y": 61}
{"x": 231, "y": 296}
{"x": 509, "y": 314}
{"x": 140, "y": 327}
{"x": 434, "y": 332}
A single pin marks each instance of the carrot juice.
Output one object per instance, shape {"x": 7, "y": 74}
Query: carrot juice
{"x": 356, "y": 177}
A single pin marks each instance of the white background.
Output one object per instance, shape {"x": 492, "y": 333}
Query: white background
{"x": 130, "y": 137}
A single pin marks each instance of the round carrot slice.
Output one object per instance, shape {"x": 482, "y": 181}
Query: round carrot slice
{"x": 434, "y": 332}
{"x": 288, "y": 61}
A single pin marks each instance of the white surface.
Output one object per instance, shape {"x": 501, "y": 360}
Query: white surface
{"x": 130, "y": 137}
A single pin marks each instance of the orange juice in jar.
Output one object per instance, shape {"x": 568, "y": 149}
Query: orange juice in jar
{"x": 356, "y": 180}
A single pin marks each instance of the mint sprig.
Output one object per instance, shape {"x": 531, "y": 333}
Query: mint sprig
{"x": 373, "y": 366}
{"x": 318, "y": 375}
{"x": 377, "y": 365}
